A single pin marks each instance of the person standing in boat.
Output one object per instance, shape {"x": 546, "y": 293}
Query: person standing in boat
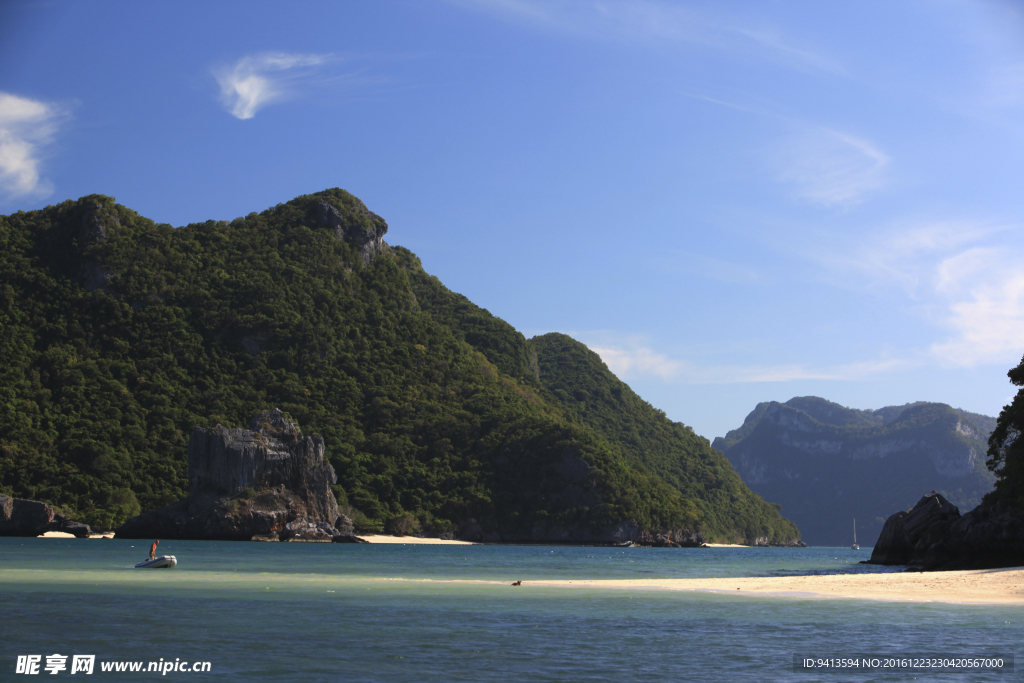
{"x": 152, "y": 550}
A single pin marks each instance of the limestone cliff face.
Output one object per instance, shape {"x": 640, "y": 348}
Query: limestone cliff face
{"x": 826, "y": 464}
{"x": 245, "y": 483}
{"x": 358, "y": 224}
{"x": 271, "y": 454}
{"x": 97, "y": 222}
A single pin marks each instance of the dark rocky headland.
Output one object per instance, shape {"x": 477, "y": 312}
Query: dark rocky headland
{"x": 20, "y": 517}
{"x": 933, "y": 535}
{"x": 268, "y": 482}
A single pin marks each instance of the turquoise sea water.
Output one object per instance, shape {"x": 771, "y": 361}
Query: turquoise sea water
{"x": 338, "y": 612}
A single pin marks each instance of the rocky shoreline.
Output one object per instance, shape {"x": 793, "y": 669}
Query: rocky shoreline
{"x": 934, "y": 536}
{"x": 20, "y": 517}
{"x": 268, "y": 482}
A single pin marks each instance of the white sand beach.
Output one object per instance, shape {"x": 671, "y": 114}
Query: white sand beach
{"x": 978, "y": 586}
{"x": 412, "y": 540}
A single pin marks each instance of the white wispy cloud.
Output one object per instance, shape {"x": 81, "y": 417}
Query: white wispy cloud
{"x": 774, "y": 42}
{"x": 644, "y": 21}
{"x": 257, "y": 80}
{"x": 638, "y": 361}
{"x": 848, "y": 371}
{"x": 830, "y": 167}
{"x": 631, "y": 359}
{"x": 27, "y": 127}
{"x": 965, "y": 277}
{"x": 906, "y": 254}
{"x": 984, "y": 288}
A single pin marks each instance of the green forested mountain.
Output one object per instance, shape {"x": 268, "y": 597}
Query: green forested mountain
{"x": 827, "y": 464}
{"x": 120, "y": 334}
{"x": 648, "y": 440}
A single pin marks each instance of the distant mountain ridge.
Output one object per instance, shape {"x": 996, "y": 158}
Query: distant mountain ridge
{"x": 826, "y": 464}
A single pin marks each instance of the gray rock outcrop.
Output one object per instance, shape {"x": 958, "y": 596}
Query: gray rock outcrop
{"x": 763, "y": 542}
{"x": 94, "y": 229}
{"x": 308, "y": 532}
{"x": 267, "y": 481}
{"x": 682, "y": 538}
{"x": 360, "y": 226}
{"x": 934, "y": 536}
{"x": 20, "y": 517}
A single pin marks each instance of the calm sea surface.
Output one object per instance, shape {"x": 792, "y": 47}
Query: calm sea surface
{"x": 338, "y": 612}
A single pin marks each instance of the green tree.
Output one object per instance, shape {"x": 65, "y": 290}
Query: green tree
{"x": 1006, "y": 448}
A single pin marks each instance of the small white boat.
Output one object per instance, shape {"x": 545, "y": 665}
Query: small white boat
{"x": 855, "y": 546}
{"x": 162, "y": 562}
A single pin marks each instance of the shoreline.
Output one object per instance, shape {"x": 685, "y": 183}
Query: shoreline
{"x": 973, "y": 586}
{"x": 416, "y": 540}
{"x": 1000, "y": 586}
{"x": 411, "y": 540}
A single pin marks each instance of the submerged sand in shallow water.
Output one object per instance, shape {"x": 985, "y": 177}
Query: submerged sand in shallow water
{"x": 1001, "y": 586}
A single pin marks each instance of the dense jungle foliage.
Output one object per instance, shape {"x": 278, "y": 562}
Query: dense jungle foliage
{"x": 670, "y": 451}
{"x": 1006, "y": 448}
{"x": 118, "y": 335}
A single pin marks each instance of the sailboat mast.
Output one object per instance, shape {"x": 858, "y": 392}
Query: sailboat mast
{"x": 855, "y": 530}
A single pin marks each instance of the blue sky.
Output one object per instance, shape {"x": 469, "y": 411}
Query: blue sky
{"x": 730, "y": 202}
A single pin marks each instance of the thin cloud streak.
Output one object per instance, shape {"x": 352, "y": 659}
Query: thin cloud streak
{"x": 255, "y": 81}
{"x": 830, "y": 167}
{"x": 644, "y": 21}
{"x": 27, "y": 127}
{"x": 637, "y": 361}
{"x": 797, "y": 57}
{"x": 905, "y": 255}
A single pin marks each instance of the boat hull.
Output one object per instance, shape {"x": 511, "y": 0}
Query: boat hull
{"x": 162, "y": 562}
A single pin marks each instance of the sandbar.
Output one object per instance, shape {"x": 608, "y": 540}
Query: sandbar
{"x": 976, "y": 586}
{"x": 413, "y": 540}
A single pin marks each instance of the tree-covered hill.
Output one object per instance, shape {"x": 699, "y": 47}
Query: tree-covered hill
{"x": 827, "y": 464}
{"x": 120, "y": 334}
{"x": 651, "y": 442}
